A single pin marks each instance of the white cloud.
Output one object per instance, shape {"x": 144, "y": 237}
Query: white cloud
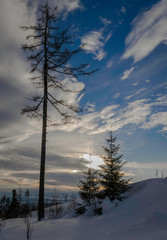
{"x": 146, "y": 165}
{"x": 123, "y": 9}
{"x": 136, "y": 93}
{"x": 18, "y": 131}
{"x": 68, "y": 5}
{"x": 127, "y": 73}
{"x": 101, "y": 54}
{"x": 13, "y": 68}
{"x": 108, "y": 112}
{"x": 108, "y": 37}
{"x": 94, "y": 43}
{"x": 135, "y": 84}
{"x": 116, "y": 95}
{"x": 149, "y": 29}
{"x": 156, "y": 120}
{"x": 109, "y": 64}
{"x": 164, "y": 129}
{"x": 18, "y": 14}
{"x": 91, "y": 107}
{"x": 137, "y": 114}
{"x": 145, "y": 170}
{"x": 105, "y": 21}
{"x": 147, "y": 81}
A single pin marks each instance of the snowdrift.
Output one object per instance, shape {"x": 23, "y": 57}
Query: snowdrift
{"x": 141, "y": 216}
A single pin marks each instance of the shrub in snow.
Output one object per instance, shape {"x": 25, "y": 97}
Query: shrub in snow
{"x": 28, "y": 228}
{"x": 55, "y": 211}
{"x": 80, "y": 209}
{"x": 72, "y": 203}
{"x": 98, "y": 211}
{"x": 2, "y": 224}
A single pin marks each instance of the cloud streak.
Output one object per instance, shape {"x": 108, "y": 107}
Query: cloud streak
{"x": 127, "y": 73}
{"x": 149, "y": 29}
{"x": 105, "y": 21}
{"x": 137, "y": 114}
{"x": 95, "y": 42}
{"x": 68, "y": 5}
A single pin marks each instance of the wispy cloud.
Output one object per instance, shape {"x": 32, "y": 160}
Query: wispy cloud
{"x": 95, "y": 40}
{"x": 94, "y": 43}
{"x": 136, "y": 114}
{"x": 157, "y": 119}
{"x": 147, "y": 81}
{"x": 18, "y": 132}
{"x": 149, "y": 29}
{"x": 116, "y": 95}
{"x": 105, "y": 21}
{"x": 135, "y": 84}
{"x": 91, "y": 107}
{"x": 135, "y": 93}
{"x": 127, "y": 73}
{"x": 68, "y": 5}
{"x": 145, "y": 165}
{"x": 123, "y": 10}
{"x": 15, "y": 85}
{"x": 109, "y": 64}
{"x": 145, "y": 169}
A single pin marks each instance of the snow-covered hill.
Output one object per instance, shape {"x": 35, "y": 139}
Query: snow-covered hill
{"x": 141, "y": 216}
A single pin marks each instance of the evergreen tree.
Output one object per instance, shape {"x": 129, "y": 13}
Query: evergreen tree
{"x": 5, "y": 203}
{"x": 50, "y": 51}
{"x": 112, "y": 176}
{"x": 27, "y": 196}
{"x": 89, "y": 189}
{"x": 3, "y": 206}
{"x": 15, "y": 205}
{"x": 19, "y": 194}
{"x": 26, "y": 206}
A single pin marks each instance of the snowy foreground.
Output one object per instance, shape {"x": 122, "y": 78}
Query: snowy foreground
{"x": 141, "y": 216}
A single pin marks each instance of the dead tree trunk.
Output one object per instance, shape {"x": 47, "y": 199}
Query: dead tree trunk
{"x": 49, "y": 57}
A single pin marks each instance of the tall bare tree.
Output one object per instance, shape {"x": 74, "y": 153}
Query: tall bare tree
{"x": 50, "y": 50}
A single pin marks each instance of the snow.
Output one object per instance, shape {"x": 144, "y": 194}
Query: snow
{"x": 141, "y": 216}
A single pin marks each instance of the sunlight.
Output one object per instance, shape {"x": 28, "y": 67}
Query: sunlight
{"x": 75, "y": 171}
{"x": 94, "y": 161}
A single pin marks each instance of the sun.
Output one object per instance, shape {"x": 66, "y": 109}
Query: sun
{"x": 94, "y": 161}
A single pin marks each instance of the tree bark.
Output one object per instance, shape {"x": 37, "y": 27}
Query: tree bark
{"x": 41, "y": 209}
{"x": 41, "y": 213}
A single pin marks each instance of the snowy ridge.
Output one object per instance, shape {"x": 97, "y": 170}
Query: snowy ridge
{"x": 141, "y": 216}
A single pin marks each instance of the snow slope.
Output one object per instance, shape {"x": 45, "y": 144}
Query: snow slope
{"x": 141, "y": 216}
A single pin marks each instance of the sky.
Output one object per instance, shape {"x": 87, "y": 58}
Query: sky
{"x": 127, "y": 41}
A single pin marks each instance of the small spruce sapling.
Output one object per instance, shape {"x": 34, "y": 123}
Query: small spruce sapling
{"x": 112, "y": 176}
{"x": 89, "y": 189}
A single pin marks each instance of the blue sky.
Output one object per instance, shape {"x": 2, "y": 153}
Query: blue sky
{"x": 127, "y": 41}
